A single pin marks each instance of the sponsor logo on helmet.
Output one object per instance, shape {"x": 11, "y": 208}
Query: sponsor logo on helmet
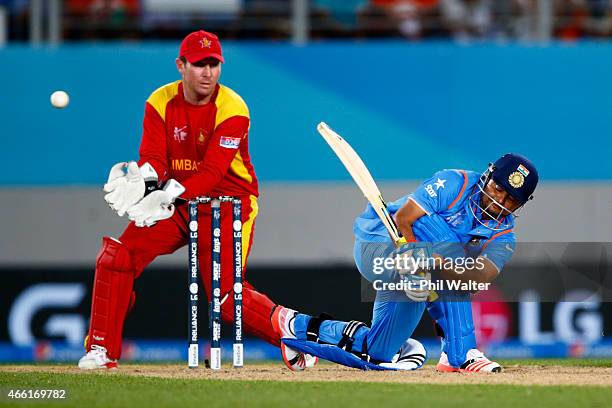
{"x": 516, "y": 179}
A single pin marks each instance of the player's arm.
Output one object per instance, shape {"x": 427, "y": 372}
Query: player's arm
{"x": 153, "y": 148}
{"x": 406, "y": 216}
{"x": 221, "y": 151}
{"x": 488, "y": 265}
{"x": 433, "y": 196}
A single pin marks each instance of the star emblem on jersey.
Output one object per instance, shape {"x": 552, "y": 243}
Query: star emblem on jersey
{"x": 439, "y": 184}
{"x": 205, "y": 43}
{"x": 516, "y": 179}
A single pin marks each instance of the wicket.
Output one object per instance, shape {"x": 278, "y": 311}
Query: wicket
{"x": 215, "y": 301}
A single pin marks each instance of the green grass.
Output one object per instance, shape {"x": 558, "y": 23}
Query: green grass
{"x": 127, "y": 391}
{"x": 572, "y": 362}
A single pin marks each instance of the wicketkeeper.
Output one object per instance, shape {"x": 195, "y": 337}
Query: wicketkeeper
{"x": 194, "y": 143}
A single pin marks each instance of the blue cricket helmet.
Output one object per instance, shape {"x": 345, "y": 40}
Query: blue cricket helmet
{"x": 517, "y": 175}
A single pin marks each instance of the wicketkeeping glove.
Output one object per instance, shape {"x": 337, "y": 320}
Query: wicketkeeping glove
{"x": 125, "y": 187}
{"x": 156, "y": 206}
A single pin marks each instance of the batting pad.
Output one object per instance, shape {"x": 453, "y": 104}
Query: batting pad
{"x": 333, "y": 353}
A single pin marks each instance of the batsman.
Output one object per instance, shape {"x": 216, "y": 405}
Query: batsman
{"x": 194, "y": 143}
{"x": 456, "y": 215}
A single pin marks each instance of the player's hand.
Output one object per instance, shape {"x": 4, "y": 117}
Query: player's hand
{"x": 413, "y": 257}
{"x": 126, "y": 189}
{"x": 156, "y": 206}
{"x": 117, "y": 179}
{"x": 117, "y": 171}
{"x": 415, "y": 260}
{"x": 417, "y": 286}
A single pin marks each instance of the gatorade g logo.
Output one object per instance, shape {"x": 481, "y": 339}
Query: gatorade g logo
{"x": 43, "y": 296}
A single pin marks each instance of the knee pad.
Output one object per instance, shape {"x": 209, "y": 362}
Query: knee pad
{"x": 113, "y": 296}
{"x": 114, "y": 256}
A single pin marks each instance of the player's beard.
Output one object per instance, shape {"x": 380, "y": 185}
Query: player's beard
{"x": 492, "y": 210}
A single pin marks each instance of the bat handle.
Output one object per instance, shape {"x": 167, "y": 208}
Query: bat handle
{"x": 401, "y": 241}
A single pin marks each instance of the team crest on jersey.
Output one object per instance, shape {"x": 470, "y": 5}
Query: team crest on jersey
{"x": 202, "y": 136}
{"x": 229, "y": 142}
{"x": 180, "y": 134}
{"x": 516, "y": 179}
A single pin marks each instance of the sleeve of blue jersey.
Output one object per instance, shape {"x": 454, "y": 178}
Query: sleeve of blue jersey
{"x": 500, "y": 250}
{"x": 436, "y": 193}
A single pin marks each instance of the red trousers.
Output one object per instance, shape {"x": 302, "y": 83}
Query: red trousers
{"x": 141, "y": 245}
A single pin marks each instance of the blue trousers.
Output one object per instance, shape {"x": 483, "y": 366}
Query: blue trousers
{"x": 394, "y": 316}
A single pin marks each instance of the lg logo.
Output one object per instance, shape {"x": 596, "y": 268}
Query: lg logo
{"x": 42, "y": 296}
{"x": 576, "y": 317}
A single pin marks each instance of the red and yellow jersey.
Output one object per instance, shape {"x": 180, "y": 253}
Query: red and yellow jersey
{"x": 204, "y": 147}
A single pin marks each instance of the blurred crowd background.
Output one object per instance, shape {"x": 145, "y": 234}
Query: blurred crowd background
{"x": 300, "y": 20}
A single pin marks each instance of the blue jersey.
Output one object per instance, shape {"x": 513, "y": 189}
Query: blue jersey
{"x": 447, "y": 194}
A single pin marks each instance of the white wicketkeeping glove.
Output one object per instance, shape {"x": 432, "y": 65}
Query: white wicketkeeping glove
{"x": 156, "y": 206}
{"x": 127, "y": 188}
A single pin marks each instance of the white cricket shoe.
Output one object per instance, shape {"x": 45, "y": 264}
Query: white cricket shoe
{"x": 282, "y": 323}
{"x": 96, "y": 358}
{"x": 311, "y": 360}
{"x": 412, "y": 355}
{"x": 476, "y": 362}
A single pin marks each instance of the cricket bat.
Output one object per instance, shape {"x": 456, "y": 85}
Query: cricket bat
{"x": 364, "y": 180}
{"x": 360, "y": 173}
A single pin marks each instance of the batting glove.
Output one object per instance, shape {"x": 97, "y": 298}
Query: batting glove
{"x": 416, "y": 286}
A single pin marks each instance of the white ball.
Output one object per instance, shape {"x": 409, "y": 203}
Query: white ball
{"x": 59, "y": 99}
